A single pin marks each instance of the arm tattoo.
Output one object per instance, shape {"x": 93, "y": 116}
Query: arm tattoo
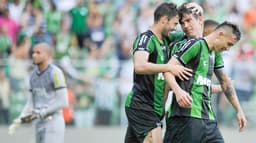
{"x": 225, "y": 82}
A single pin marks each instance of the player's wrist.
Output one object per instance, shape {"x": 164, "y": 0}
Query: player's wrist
{"x": 42, "y": 113}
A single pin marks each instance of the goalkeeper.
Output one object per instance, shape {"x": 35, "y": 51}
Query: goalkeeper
{"x": 48, "y": 97}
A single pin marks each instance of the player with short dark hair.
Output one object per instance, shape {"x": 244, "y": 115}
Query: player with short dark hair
{"x": 195, "y": 122}
{"x": 209, "y": 26}
{"x": 145, "y": 103}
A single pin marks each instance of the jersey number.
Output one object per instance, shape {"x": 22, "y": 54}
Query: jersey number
{"x": 143, "y": 39}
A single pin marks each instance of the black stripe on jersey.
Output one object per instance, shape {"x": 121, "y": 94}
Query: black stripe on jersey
{"x": 175, "y": 43}
{"x": 142, "y": 42}
{"x": 60, "y": 87}
{"x": 187, "y": 45}
{"x": 205, "y": 106}
{"x": 184, "y": 48}
{"x": 219, "y": 67}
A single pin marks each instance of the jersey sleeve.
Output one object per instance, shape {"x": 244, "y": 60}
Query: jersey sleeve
{"x": 58, "y": 79}
{"x": 143, "y": 43}
{"x": 188, "y": 51}
{"x": 219, "y": 63}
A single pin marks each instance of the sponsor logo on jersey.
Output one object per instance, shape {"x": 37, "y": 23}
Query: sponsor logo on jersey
{"x": 39, "y": 91}
{"x": 203, "y": 81}
{"x": 160, "y": 76}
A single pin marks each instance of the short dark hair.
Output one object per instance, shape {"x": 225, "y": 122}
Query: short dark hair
{"x": 210, "y": 22}
{"x": 183, "y": 9}
{"x": 234, "y": 27}
{"x": 165, "y": 9}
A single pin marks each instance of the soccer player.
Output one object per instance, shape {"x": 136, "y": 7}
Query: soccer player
{"x": 145, "y": 103}
{"x": 195, "y": 122}
{"x": 192, "y": 24}
{"x": 48, "y": 97}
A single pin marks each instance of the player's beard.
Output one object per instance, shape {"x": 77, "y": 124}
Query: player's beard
{"x": 165, "y": 33}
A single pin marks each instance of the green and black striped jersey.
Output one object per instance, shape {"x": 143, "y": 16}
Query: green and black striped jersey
{"x": 178, "y": 43}
{"x": 175, "y": 45}
{"x": 195, "y": 54}
{"x": 148, "y": 89}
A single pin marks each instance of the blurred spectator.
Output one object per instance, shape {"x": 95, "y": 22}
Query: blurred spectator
{"x": 53, "y": 19}
{"x": 145, "y": 18}
{"x": 68, "y": 112}
{"x": 125, "y": 85}
{"x": 28, "y": 22}
{"x": 19, "y": 65}
{"x": 4, "y": 97}
{"x": 12, "y": 28}
{"x": 250, "y": 15}
{"x": 78, "y": 21}
{"x": 41, "y": 35}
{"x": 233, "y": 15}
{"x": 212, "y": 10}
{"x": 63, "y": 40}
{"x": 5, "y": 43}
{"x": 3, "y": 5}
{"x": 106, "y": 102}
{"x": 65, "y": 5}
{"x": 84, "y": 114}
{"x": 32, "y": 20}
{"x": 16, "y": 9}
{"x": 95, "y": 29}
{"x": 243, "y": 73}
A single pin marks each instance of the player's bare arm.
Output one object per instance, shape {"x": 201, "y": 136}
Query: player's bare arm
{"x": 178, "y": 70}
{"x": 166, "y": 92}
{"x": 230, "y": 93}
{"x": 142, "y": 66}
{"x": 183, "y": 98}
{"x": 216, "y": 88}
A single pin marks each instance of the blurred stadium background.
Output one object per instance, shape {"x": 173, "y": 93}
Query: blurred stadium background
{"x": 92, "y": 40}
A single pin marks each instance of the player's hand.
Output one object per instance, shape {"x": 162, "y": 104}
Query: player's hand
{"x": 242, "y": 122}
{"x": 183, "y": 99}
{"x": 12, "y": 128}
{"x": 182, "y": 72}
{"x": 195, "y": 8}
{"x": 29, "y": 118}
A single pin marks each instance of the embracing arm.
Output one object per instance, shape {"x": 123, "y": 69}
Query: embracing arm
{"x": 142, "y": 66}
{"x": 182, "y": 97}
{"x": 229, "y": 91}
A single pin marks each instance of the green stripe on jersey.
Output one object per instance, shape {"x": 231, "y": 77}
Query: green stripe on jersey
{"x": 159, "y": 82}
{"x": 128, "y": 99}
{"x": 196, "y": 110}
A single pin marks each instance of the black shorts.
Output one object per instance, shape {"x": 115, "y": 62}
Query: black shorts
{"x": 192, "y": 130}
{"x": 140, "y": 123}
